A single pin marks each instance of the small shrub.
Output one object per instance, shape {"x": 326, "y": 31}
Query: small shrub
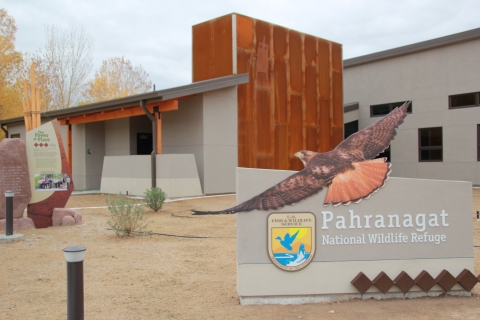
{"x": 126, "y": 215}
{"x": 154, "y": 198}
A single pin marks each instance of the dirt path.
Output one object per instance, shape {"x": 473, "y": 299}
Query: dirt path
{"x": 161, "y": 277}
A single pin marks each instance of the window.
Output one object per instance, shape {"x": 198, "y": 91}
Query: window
{"x": 379, "y": 110}
{"x": 430, "y": 144}
{"x": 464, "y": 100}
{"x": 350, "y": 128}
{"x": 478, "y": 142}
{"x": 16, "y": 135}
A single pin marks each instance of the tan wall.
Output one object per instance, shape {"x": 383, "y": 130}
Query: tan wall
{"x": 427, "y": 78}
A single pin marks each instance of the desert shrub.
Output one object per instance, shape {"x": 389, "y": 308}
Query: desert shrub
{"x": 154, "y": 198}
{"x": 126, "y": 215}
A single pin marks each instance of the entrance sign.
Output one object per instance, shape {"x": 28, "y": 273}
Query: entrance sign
{"x": 291, "y": 240}
{"x": 412, "y": 226}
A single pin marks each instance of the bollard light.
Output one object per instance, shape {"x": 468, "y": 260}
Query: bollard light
{"x": 74, "y": 256}
{"x": 9, "y": 212}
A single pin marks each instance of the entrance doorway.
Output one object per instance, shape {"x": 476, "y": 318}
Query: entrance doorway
{"x": 144, "y": 143}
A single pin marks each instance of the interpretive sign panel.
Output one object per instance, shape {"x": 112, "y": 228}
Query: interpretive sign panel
{"x": 50, "y": 176}
{"x": 14, "y": 176}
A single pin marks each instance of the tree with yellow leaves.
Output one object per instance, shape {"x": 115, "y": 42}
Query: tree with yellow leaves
{"x": 116, "y": 78}
{"x": 10, "y": 69}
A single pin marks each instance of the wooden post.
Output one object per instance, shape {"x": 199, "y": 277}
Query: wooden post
{"x": 159, "y": 132}
{"x": 69, "y": 147}
{"x": 26, "y": 108}
{"x": 33, "y": 108}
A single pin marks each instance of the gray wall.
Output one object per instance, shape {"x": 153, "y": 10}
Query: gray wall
{"x": 117, "y": 137}
{"x": 95, "y": 141}
{"x": 182, "y": 131}
{"x": 427, "y": 78}
{"x": 206, "y": 126}
{"x": 220, "y": 140}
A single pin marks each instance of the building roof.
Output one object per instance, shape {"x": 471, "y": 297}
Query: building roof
{"x": 413, "y": 48}
{"x": 148, "y": 97}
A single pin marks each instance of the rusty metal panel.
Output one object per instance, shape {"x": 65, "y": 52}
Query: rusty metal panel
{"x": 246, "y": 144}
{"x": 312, "y": 136}
{"x": 296, "y": 61}
{"x": 265, "y": 162}
{"x": 281, "y": 97}
{"x": 324, "y": 125}
{"x": 324, "y": 68}
{"x": 311, "y": 95}
{"x": 263, "y": 124}
{"x": 337, "y": 137}
{"x": 281, "y": 147}
{"x": 337, "y": 57}
{"x": 245, "y": 32}
{"x": 337, "y": 100}
{"x": 245, "y": 91}
{"x": 296, "y": 164}
{"x": 202, "y": 54}
{"x": 295, "y": 125}
{"x": 310, "y": 50}
{"x": 279, "y": 42}
{"x": 222, "y": 47}
{"x": 262, "y": 31}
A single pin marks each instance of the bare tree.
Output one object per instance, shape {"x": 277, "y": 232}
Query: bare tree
{"x": 63, "y": 66}
{"x": 117, "y": 78}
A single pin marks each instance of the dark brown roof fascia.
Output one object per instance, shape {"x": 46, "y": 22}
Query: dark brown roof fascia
{"x": 413, "y": 48}
{"x": 350, "y": 106}
{"x": 161, "y": 95}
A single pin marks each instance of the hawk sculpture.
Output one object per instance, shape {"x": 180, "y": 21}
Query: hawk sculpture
{"x": 349, "y": 171}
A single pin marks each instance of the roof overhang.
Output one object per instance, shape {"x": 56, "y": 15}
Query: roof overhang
{"x": 149, "y": 98}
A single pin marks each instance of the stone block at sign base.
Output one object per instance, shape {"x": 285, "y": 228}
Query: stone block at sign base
{"x": 22, "y": 223}
{"x": 14, "y": 176}
{"x": 68, "y": 221}
{"x": 66, "y": 217}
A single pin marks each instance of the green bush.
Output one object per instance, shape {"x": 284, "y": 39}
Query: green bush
{"x": 126, "y": 215}
{"x": 154, "y": 198}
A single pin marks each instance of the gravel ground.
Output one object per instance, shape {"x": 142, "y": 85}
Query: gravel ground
{"x": 161, "y": 277}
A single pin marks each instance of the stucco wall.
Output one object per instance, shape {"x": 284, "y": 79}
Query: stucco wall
{"x": 427, "y": 78}
{"x": 117, "y": 137}
{"x": 220, "y": 140}
{"x": 206, "y": 126}
{"x": 95, "y": 141}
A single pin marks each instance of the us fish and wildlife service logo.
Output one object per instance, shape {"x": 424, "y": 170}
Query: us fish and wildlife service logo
{"x": 291, "y": 239}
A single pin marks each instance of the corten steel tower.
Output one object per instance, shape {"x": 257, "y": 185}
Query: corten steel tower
{"x": 293, "y": 100}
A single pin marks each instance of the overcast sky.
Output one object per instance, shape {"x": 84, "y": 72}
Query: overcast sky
{"x": 157, "y": 34}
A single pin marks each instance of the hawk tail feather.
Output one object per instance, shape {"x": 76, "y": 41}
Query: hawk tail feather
{"x": 359, "y": 183}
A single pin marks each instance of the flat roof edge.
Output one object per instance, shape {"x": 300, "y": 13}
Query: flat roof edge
{"x": 413, "y": 48}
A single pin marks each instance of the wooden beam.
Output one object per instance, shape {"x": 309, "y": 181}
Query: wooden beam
{"x": 158, "y": 117}
{"x": 69, "y": 147}
{"x": 163, "y": 106}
